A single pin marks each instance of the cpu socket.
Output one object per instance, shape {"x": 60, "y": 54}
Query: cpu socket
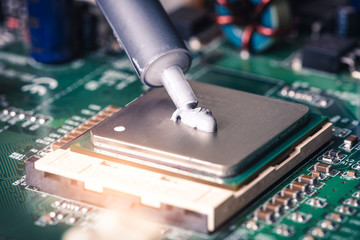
{"x": 139, "y": 160}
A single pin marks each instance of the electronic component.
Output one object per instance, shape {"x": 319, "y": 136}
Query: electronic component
{"x": 352, "y": 202}
{"x": 190, "y": 21}
{"x": 63, "y": 172}
{"x": 318, "y": 232}
{"x": 346, "y": 210}
{"x": 312, "y": 181}
{"x": 201, "y": 39}
{"x": 317, "y": 174}
{"x": 357, "y": 194}
{"x": 308, "y": 12}
{"x": 2, "y": 17}
{"x": 47, "y": 174}
{"x": 291, "y": 193}
{"x": 350, "y": 174}
{"x": 164, "y": 194}
{"x": 64, "y": 212}
{"x": 197, "y": 152}
{"x": 71, "y": 206}
{"x": 325, "y": 53}
{"x": 317, "y": 202}
{"x": 276, "y": 208}
{"x": 251, "y": 224}
{"x": 341, "y": 132}
{"x": 51, "y": 30}
{"x": 300, "y": 217}
{"x": 264, "y": 215}
{"x": 264, "y": 22}
{"x": 308, "y": 237}
{"x": 323, "y": 168}
{"x": 350, "y": 142}
{"x": 308, "y": 96}
{"x": 152, "y": 192}
{"x": 284, "y": 230}
{"x": 17, "y": 114}
{"x": 88, "y": 24}
{"x": 327, "y": 224}
{"x": 300, "y": 186}
{"x": 284, "y": 201}
{"x": 335, "y": 217}
{"x": 347, "y": 20}
{"x": 332, "y": 156}
{"x": 195, "y": 26}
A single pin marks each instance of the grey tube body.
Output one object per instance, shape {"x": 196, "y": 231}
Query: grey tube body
{"x": 148, "y": 37}
{"x": 158, "y": 54}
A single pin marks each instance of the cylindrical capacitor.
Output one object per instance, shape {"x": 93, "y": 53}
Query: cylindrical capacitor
{"x": 87, "y": 23}
{"x": 144, "y": 30}
{"x": 51, "y": 30}
{"x": 2, "y": 17}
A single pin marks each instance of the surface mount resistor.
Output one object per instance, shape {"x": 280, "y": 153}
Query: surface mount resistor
{"x": 337, "y": 217}
{"x": 300, "y": 186}
{"x": 323, "y": 167}
{"x": 264, "y": 215}
{"x": 291, "y": 193}
{"x": 317, "y": 202}
{"x": 327, "y": 224}
{"x": 252, "y": 224}
{"x": 299, "y": 217}
{"x": 318, "y": 232}
{"x": 352, "y": 202}
{"x": 317, "y": 174}
{"x": 308, "y": 179}
{"x": 277, "y": 208}
{"x": 346, "y": 210}
{"x": 357, "y": 194}
{"x": 351, "y": 174}
{"x": 284, "y": 201}
{"x": 350, "y": 142}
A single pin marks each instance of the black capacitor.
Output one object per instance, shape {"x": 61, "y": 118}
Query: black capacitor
{"x": 2, "y": 17}
{"x": 189, "y": 21}
{"x": 87, "y": 27}
{"x": 347, "y": 21}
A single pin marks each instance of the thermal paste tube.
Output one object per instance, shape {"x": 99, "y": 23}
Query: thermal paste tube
{"x": 158, "y": 54}
{"x": 155, "y": 49}
{"x": 51, "y": 30}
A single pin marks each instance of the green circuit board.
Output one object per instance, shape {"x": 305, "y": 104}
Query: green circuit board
{"x": 40, "y": 104}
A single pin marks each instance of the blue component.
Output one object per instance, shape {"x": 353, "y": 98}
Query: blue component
{"x": 258, "y": 42}
{"x": 51, "y": 30}
{"x": 347, "y": 21}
